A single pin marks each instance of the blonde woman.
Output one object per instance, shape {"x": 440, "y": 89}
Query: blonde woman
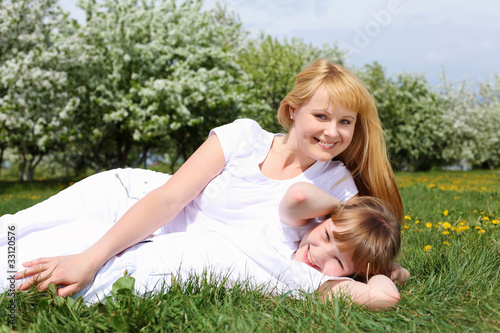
{"x": 237, "y": 177}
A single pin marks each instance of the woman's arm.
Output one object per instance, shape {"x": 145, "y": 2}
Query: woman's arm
{"x": 304, "y": 201}
{"x": 150, "y": 213}
{"x": 379, "y": 293}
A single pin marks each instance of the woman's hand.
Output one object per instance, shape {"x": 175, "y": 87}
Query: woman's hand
{"x": 71, "y": 273}
{"x": 398, "y": 274}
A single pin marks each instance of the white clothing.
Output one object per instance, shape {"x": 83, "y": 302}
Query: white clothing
{"x": 241, "y": 201}
{"x": 241, "y": 196}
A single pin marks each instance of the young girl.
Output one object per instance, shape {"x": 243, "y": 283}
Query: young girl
{"x": 237, "y": 177}
{"x": 361, "y": 238}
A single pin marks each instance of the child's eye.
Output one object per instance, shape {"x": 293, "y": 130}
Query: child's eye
{"x": 340, "y": 263}
{"x": 327, "y": 235}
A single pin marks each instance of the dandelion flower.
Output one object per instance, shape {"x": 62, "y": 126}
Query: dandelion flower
{"x": 446, "y": 225}
{"x": 446, "y": 232}
{"x": 485, "y": 218}
{"x": 417, "y": 221}
{"x": 477, "y": 227}
{"x": 407, "y": 217}
{"x": 495, "y": 221}
{"x": 482, "y": 231}
{"x": 446, "y": 243}
{"x": 406, "y": 227}
{"x": 445, "y": 213}
{"x": 428, "y": 225}
{"x": 427, "y": 248}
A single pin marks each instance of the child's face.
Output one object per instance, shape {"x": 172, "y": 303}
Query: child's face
{"x": 318, "y": 249}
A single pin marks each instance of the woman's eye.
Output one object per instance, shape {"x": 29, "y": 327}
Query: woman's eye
{"x": 320, "y": 116}
{"x": 345, "y": 122}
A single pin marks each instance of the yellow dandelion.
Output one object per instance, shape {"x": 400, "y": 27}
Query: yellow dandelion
{"x": 446, "y": 232}
{"x": 477, "y": 227}
{"x": 407, "y": 217}
{"x": 485, "y": 218}
{"x": 495, "y": 221}
{"x": 445, "y": 213}
{"x": 446, "y": 225}
{"x": 427, "y": 248}
{"x": 406, "y": 227}
{"x": 446, "y": 243}
{"x": 417, "y": 221}
{"x": 428, "y": 225}
{"x": 482, "y": 231}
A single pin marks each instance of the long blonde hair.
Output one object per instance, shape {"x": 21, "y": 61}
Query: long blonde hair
{"x": 373, "y": 235}
{"x": 366, "y": 157}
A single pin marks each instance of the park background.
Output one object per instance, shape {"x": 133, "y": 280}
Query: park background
{"x": 141, "y": 83}
{"x": 135, "y": 83}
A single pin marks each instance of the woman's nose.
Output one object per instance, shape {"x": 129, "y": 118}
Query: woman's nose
{"x": 331, "y": 130}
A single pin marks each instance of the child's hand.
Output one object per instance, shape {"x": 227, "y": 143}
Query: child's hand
{"x": 399, "y": 275}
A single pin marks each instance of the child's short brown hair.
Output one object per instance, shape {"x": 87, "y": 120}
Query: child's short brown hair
{"x": 373, "y": 235}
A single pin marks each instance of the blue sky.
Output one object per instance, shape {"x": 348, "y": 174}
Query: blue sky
{"x": 413, "y": 36}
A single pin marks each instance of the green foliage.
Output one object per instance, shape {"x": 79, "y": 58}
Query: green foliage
{"x": 411, "y": 113}
{"x": 472, "y": 121}
{"x": 34, "y": 99}
{"x": 151, "y": 78}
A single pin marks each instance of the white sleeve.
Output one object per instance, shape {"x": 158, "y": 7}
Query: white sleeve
{"x": 344, "y": 188}
{"x": 236, "y": 135}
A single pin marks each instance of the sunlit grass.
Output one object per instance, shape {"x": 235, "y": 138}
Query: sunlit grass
{"x": 451, "y": 246}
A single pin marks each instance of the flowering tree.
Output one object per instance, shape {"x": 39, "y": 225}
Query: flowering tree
{"x": 411, "y": 115}
{"x": 474, "y": 122}
{"x": 151, "y": 76}
{"x": 33, "y": 97}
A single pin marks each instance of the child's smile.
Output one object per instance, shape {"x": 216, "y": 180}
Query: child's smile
{"x": 319, "y": 250}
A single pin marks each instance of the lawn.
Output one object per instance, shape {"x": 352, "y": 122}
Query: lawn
{"x": 451, "y": 246}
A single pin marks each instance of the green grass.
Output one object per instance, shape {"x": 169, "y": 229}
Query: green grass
{"x": 451, "y": 245}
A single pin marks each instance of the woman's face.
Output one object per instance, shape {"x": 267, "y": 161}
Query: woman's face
{"x": 319, "y": 250}
{"x": 321, "y": 131}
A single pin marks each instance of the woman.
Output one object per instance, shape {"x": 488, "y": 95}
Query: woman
{"x": 238, "y": 175}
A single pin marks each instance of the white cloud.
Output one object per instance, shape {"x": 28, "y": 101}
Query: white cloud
{"x": 439, "y": 56}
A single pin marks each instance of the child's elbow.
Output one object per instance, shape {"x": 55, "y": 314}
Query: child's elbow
{"x": 296, "y": 195}
{"x": 386, "y": 300}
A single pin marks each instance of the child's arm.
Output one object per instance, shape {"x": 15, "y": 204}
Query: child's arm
{"x": 379, "y": 293}
{"x": 303, "y": 201}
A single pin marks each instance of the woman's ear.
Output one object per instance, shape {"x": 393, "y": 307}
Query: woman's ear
{"x": 291, "y": 111}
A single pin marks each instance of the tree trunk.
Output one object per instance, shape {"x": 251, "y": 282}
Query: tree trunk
{"x": 22, "y": 168}
{"x": 33, "y": 163}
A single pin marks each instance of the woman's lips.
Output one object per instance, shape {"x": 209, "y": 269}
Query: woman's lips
{"x": 325, "y": 145}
